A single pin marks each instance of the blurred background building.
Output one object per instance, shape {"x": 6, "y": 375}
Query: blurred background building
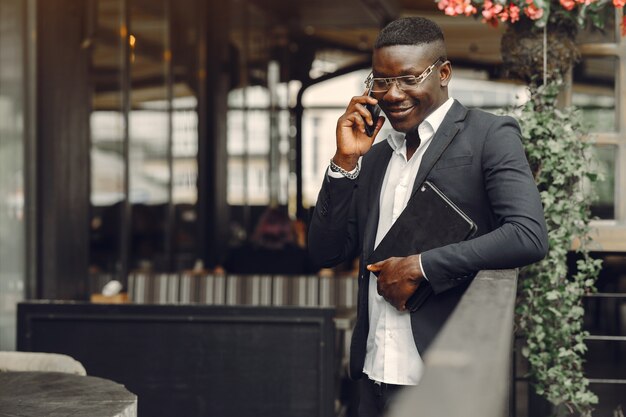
{"x": 147, "y": 135}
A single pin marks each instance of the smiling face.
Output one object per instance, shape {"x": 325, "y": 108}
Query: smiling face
{"x": 407, "y": 109}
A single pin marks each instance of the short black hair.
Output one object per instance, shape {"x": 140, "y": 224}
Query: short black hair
{"x": 409, "y": 31}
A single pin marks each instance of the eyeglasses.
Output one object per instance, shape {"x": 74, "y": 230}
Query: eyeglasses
{"x": 404, "y": 83}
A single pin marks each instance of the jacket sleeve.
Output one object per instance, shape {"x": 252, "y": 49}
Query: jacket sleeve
{"x": 521, "y": 236}
{"x": 333, "y": 233}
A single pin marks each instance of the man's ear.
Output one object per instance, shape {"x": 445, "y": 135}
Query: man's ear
{"x": 445, "y": 74}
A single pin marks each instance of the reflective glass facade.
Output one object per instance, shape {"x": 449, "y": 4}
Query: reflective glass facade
{"x": 12, "y": 136}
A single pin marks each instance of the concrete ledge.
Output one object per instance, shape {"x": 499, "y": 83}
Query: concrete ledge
{"x": 467, "y": 369}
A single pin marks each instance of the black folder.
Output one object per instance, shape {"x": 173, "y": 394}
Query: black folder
{"x": 430, "y": 220}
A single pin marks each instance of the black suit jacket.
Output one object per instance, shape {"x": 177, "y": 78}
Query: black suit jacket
{"x": 478, "y": 161}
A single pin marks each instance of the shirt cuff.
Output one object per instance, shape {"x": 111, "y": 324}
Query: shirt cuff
{"x": 333, "y": 174}
{"x": 422, "y": 268}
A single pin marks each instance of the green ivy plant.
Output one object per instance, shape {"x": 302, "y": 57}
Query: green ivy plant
{"x": 549, "y": 309}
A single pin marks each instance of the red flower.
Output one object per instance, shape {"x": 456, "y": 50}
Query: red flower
{"x": 514, "y": 12}
{"x": 532, "y": 11}
{"x": 457, "y": 7}
{"x": 495, "y": 11}
{"x": 491, "y": 10}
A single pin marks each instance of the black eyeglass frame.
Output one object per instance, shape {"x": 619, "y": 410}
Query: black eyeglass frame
{"x": 417, "y": 80}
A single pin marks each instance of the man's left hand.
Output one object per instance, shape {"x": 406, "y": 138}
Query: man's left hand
{"x": 398, "y": 278}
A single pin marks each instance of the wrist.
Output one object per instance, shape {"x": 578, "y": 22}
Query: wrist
{"x": 337, "y": 170}
{"x": 348, "y": 163}
{"x": 416, "y": 267}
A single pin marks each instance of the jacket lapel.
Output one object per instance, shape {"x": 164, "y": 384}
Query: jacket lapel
{"x": 444, "y": 135}
{"x": 379, "y": 167}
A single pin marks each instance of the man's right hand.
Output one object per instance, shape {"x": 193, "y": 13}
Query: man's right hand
{"x": 352, "y": 141}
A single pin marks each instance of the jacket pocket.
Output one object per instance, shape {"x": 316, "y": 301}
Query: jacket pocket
{"x": 457, "y": 161}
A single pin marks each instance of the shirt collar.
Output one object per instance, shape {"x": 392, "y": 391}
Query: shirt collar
{"x": 426, "y": 129}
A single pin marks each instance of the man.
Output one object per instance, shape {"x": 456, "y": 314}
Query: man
{"x": 474, "y": 157}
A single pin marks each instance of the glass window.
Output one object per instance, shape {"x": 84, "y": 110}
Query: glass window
{"x": 604, "y": 206}
{"x": 161, "y": 66}
{"x": 475, "y": 89}
{"x": 184, "y": 37}
{"x": 108, "y": 126}
{"x": 185, "y": 149}
{"x": 12, "y": 107}
{"x": 258, "y": 120}
{"x": 324, "y": 103}
{"x": 148, "y": 129}
{"x": 594, "y": 92}
{"x": 248, "y": 147}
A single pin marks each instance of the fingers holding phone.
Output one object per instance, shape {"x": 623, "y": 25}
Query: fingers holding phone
{"x": 356, "y": 130}
{"x": 374, "y": 110}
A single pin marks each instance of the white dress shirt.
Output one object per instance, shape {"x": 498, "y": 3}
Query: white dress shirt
{"x": 391, "y": 355}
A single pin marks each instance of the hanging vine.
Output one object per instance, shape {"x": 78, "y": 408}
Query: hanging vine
{"x": 550, "y": 311}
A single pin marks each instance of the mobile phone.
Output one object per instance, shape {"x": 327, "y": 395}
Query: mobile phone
{"x": 375, "y": 112}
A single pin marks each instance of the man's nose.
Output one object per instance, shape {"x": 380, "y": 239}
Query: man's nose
{"x": 394, "y": 93}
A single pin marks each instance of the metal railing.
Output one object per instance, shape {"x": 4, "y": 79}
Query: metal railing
{"x": 468, "y": 367}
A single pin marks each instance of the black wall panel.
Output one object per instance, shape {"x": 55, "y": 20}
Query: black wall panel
{"x": 196, "y": 360}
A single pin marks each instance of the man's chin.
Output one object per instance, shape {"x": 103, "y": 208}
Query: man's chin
{"x": 401, "y": 126}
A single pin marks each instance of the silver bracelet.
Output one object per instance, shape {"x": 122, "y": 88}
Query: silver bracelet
{"x": 350, "y": 175}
